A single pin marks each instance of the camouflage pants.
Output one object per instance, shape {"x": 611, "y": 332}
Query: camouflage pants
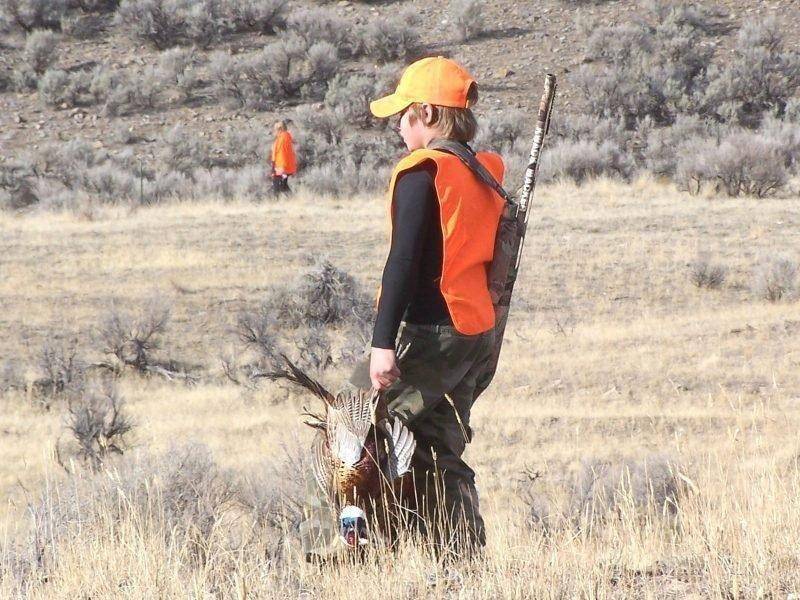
{"x": 440, "y": 376}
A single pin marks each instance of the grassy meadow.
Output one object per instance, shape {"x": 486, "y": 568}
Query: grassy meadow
{"x": 612, "y": 357}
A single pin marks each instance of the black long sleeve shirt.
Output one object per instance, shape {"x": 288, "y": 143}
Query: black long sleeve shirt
{"x": 410, "y": 285}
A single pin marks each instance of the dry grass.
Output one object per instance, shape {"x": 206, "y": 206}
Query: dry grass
{"x": 612, "y": 356}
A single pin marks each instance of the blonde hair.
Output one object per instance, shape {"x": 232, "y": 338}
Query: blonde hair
{"x": 457, "y": 124}
{"x": 280, "y": 125}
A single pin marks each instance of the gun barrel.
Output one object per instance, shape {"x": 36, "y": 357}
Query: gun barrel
{"x": 542, "y": 126}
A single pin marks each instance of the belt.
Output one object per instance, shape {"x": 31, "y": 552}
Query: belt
{"x": 430, "y": 328}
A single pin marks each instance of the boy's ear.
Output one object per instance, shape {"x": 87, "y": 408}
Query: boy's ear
{"x": 429, "y": 112}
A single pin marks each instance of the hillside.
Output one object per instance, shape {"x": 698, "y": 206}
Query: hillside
{"x": 519, "y": 43}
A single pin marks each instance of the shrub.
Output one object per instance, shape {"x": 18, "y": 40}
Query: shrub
{"x": 99, "y": 424}
{"x": 664, "y": 145}
{"x": 705, "y": 274}
{"x": 110, "y": 184}
{"x": 33, "y": 14}
{"x": 243, "y": 146}
{"x": 467, "y": 17}
{"x": 762, "y": 76}
{"x": 162, "y": 22}
{"x": 55, "y": 89}
{"x": 395, "y": 38}
{"x": 608, "y": 488}
{"x": 775, "y": 278}
{"x": 17, "y": 190}
{"x": 82, "y": 27}
{"x": 64, "y": 162}
{"x": 177, "y": 68}
{"x": 747, "y": 163}
{"x": 204, "y": 22}
{"x": 128, "y": 93}
{"x": 182, "y": 151}
{"x": 133, "y": 339}
{"x": 40, "y": 50}
{"x": 263, "y": 16}
{"x": 320, "y": 24}
{"x": 180, "y": 496}
{"x": 639, "y": 70}
{"x": 226, "y": 79}
{"x": 694, "y": 165}
{"x": 580, "y": 161}
{"x": 165, "y": 185}
{"x": 500, "y": 131}
{"x": 348, "y": 96}
{"x": 63, "y": 372}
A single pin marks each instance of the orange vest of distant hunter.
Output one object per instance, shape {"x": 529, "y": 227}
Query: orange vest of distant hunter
{"x": 469, "y": 214}
{"x": 283, "y": 153}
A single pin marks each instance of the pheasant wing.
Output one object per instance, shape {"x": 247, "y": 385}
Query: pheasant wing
{"x": 349, "y": 422}
{"x": 400, "y": 445}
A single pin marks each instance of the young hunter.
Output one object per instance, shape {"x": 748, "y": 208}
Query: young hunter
{"x": 284, "y": 162}
{"x": 434, "y": 300}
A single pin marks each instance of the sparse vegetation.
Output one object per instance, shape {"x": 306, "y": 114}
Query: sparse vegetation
{"x": 99, "y": 424}
{"x": 40, "y": 50}
{"x": 467, "y": 19}
{"x": 775, "y": 278}
{"x": 706, "y": 274}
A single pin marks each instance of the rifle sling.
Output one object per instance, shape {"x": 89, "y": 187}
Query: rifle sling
{"x": 469, "y": 159}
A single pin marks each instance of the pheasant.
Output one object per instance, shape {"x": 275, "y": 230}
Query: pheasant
{"x": 360, "y": 456}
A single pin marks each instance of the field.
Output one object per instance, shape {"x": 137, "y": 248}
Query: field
{"x": 612, "y": 357}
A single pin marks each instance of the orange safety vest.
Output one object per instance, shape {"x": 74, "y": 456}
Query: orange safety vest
{"x": 470, "y": 212}
{"x": 283, "y": 153}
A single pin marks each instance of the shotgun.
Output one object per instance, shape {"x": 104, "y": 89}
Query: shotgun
{"x": 511, "y": 234}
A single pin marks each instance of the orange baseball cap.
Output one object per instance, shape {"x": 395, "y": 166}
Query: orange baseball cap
{"x": 435, "y": 80}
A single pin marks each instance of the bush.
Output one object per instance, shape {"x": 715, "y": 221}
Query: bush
{"x": 110, "y": 185}
{"x": 244, "y": 146}
{"x": 665, "y": 145}
{"x": 500, "y": 131}
{"x": 741, "y": 163}
{"x": 133, "y": 339}
{"x": 348, "y": 96}
{"x": 55, "y": 88}
{"x": 33, "y": 14}
{"x": 775, "y": 278}
{"x": 177, "y": 68}
{"x": 98, "y": 424}
{"x": 761, "y": 76}
{"x": 467, "y": 17}
{"x": 640, "y": 70}
{"x": 319, "y": 24}
{"x": 161, "y": 22}
{"x": 263, "y": 16}
{"x": 617, "y": 488}
{"x": 182, "y": 151}
{"x": 396, "y": 38}
{"x": 128, "y": 93}
{"x": 40, "y": 50}
{"x": 17, "y": 191}
{"x": 227, "y": 83}
{"x": 82, "y": 27}
{"x": 63, "y": 372}
{"x": 704, "y": 274}
{"x": 747, "y": 163}
{"x": 579, "y": 161}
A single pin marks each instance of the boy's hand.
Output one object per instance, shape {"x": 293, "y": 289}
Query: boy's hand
{"x": 278, "y": 171}
{"x": 383, "y": 370}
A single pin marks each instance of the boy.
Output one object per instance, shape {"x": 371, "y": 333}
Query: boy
{"x": 284, "y": 162}
{"x": 434, "y": 293}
